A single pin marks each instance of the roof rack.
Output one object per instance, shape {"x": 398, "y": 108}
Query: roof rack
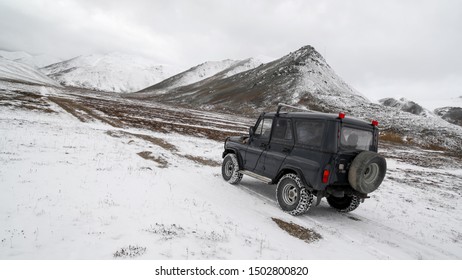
{"x": 280, "y": 105}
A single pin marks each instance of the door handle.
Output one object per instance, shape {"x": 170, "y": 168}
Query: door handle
{"x": 286, "y": 150}
{"x": 263, "y": 145}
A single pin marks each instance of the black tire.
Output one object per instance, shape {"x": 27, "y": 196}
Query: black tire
{"x": 230, "y": 169}
{"x": 344, "y": 204}
{"x": 367, "y": 172}
{"x": 292, "y": 196}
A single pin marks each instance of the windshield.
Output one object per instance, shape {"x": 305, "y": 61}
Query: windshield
{"x": 356, "y": 139}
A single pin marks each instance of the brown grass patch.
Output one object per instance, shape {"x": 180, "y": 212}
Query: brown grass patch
{"x": 201, "y": 160}
{"x": 25, "y": 100}
{"x": 163, "y": 163}
{"x": 392, "y": 137}
{"x": 154, "y": 140}
{"x": 305, "y": 234}
{"x": 81, "y": 112}
{"x": 157, "y": 141}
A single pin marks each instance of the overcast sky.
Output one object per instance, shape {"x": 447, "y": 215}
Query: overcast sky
{"x": 382, "y": 48}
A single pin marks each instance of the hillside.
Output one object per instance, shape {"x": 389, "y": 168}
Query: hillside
{"x": 190, "y": 76}
{"x": 13, "y": 55}
{"x": 450, "y": 114}
{"x": 37, "y": 61}
{"x": 291, "y": 79}
{"x": 406, "y": 105}
{"x": 15, "y": 71}
{"x": 114, "y": 72}
{"x": 305, "y": 79}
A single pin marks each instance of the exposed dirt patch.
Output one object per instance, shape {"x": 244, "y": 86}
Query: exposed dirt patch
{"x": 163, "y": 144}
{"x": 163, "y": 163}
{"x": 25, "y": 100}
{"x": 202, "y": 160}
{"x": 81, "y": 112}
{"x": 157, "y": 141}
{"x": 154, "y": 140}
{"x": 305, "y": 234}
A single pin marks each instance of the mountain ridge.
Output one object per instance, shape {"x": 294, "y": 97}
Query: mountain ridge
{"x": 113, "y": 72}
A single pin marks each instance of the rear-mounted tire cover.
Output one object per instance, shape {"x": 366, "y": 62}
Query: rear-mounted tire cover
{"x": 367, "y": 172}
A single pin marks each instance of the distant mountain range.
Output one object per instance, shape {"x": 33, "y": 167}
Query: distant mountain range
{"x": 36, "y": 61}
{"x": 406, "y": 105}
{"x": 202, "y": 72}
{"x": 114, "y": 72}
{"x": 292, "y": 79}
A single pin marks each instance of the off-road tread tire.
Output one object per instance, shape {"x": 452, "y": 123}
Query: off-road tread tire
{"x": 306, "y": 197}
{"x": 236, "y": 177}
{"x": 359, "y": 165}
{"x": 352, "y": 205}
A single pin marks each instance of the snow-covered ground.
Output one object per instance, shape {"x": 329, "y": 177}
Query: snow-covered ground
{"x": 79, "y": 183}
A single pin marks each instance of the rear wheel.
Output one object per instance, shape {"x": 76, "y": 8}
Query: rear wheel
{"x": 292, "y": 195}
{"x": 230, "y": 169}
{"x": 344, "y": 204}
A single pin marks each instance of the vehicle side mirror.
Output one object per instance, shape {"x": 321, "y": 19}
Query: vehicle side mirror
{"x": 251, "y": 131}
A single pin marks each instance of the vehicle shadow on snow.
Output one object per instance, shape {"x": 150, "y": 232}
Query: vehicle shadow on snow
{"x": 268, "y": 192}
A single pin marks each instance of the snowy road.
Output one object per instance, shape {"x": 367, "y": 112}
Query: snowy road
{"x": 101, "y": 177}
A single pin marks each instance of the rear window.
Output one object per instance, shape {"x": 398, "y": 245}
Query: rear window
{"x": 356, "y": 139}
{"x": 309, "y": 132}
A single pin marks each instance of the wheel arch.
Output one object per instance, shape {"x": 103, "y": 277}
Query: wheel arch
{"x": 290, "y": 169}
{"x": 238, "y": 155}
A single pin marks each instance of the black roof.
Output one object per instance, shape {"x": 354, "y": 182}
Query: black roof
{"x": 321, "y": 116}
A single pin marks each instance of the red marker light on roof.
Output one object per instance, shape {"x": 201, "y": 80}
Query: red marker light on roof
{"x": 341, "y": 115}
{"x": 375, "y": 123}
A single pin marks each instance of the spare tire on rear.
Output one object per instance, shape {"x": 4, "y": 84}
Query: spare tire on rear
{"x": 367, "y": 172}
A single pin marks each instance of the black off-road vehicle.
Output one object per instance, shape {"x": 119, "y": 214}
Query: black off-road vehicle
{"x": 308, "y": 154}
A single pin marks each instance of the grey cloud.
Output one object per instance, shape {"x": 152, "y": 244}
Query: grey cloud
{"x": 369, "y": 43}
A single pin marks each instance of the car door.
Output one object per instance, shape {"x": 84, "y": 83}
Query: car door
{"x": 280, "y": 145}
{"x": 258, "y": 143}
{"x": 308, "y": 153}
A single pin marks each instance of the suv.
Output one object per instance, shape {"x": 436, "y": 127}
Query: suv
{"x": 308, "y": 154}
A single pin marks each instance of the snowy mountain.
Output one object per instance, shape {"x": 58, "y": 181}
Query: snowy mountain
{"x": 14, "y": 55}
{"x": 14, "y": 71}
{"x": 204, "y": 74}
{"x": 406, "y": 105}
{"x": 192, "y": 75}
{"x": 40, "y": 60}
{"x": 437, "y": 101}
{"x": 114, "y": 72}
{"x": 291, "y": 79}
{"x": 37, "y": 61}
{"x": 305, "y": 79}
{"x": 450, "y": 114}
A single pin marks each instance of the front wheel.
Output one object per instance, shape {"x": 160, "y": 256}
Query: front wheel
{"x": 292, "y": 195}
{"x": 344, "y": 204}
{"x": 230, "y": 169}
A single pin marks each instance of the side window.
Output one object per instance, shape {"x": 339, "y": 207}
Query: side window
{"x": 264, "y": 128}
{"x": 309, "y": 132}
{"x": 282, "y": 129}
